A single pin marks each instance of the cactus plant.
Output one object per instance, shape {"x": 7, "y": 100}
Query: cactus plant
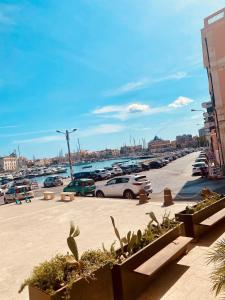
{"x": 74, "y": 232}
{"x": 121, "y": 241}
{"x": 154, "y": 219}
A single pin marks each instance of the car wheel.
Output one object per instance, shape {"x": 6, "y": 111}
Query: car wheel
{"x": 128, "y": 194}
{"x": 78, "y": 194}
{"x": 5, "y": 201}
{"x": 100, "y": 194}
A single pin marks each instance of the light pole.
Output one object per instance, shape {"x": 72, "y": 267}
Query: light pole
{"x": 197, "y": 110}
{"x": 67, "y": 134}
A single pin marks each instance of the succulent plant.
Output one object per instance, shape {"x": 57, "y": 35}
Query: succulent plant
{"x": 74, "y": 232}
{"x": 121, "y": 241}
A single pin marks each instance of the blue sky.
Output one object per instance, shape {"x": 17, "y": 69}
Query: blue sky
{"x": 109, "y": 68}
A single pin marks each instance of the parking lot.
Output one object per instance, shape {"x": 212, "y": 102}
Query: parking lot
{"x": 177, "y": 175}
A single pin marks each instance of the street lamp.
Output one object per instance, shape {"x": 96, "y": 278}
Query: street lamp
{"x": 197, "y": 110}
{"x": 67, "y": 134}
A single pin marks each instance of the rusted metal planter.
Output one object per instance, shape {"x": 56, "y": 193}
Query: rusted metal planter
{"x": 192, "y": 221}
{"x": 128, "y": 284}
{"x": 101, "y": 288}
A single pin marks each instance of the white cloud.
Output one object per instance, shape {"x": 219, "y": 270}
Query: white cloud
{"x": 92, "y": 131}
{"x": 41, "y": 140}
{"x": 23, "y": 133}
{"x": 180, "y": 102}
{"x": 138, "y": 108}
{"x": 101, "y": 129}
{"x": 9, "y": 126}
{"x": 128, "y": 87}
{"x": 122, "y": 112}
{"x": 142, "y": 83}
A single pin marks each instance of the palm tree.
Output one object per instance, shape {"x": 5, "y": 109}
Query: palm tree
{"x": 217, "y": 257}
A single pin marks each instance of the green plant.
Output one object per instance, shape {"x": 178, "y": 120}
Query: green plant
{"x": 95, "y": 259}
{"x": 217, "y": 257}
{"x": 63, "y": 270}
{"x": 167, "y": 222}
{"x": 117, "y": 234}
{"x": 154, "y": 219}
{"x": 50, "y": 275}
{"x": 133, "y": 242}
{"x": 209, "y": 198}
{"x": 74, "y": 232}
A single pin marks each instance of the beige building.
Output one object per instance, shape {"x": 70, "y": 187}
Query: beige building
{"x": 213, "y": 45}
{"x": 8, "y": 163}
{"x": 159, "y": 145}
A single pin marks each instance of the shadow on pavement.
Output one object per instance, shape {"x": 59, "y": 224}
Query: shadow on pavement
{"x": 210, "y": 237}
{"x": 191, "y": 189}
{"x": 163, "y": 282}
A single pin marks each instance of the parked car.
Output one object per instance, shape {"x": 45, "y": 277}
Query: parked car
{"x": 127, "y": 186}
{"x": 88, "y": 174}
{"x": 102, "y": 174}
{"x": 111, "y": 170}
{"x": 145, "y": 166}
{"x": 52, "y": 181}
{"x": 18, "y": 193}
{"x": 197, "y": 168}
{"x": 202, "y": 159}
{"x": 155, "y": 165}
{"x": 126, "y": 170}
{"x": 81, "y": 187}
{"x": 135, "y": 168}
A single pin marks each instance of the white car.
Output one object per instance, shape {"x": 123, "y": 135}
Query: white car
{"x": 103, "y": 174}
{"x": 117, "y": 171}
{"x": 197, "y": 168}
{"x": 201, "y": 159}
{"x": 127, "y": 186}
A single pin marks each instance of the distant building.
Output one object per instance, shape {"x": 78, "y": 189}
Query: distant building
{"x": 124, "y": 150}
{"x": 185, "y": 141}
{"x": 159, "y": 145}
{"x": 202, "y": 132}
{"x": 8, "y": 163}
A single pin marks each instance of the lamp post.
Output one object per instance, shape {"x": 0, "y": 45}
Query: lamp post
{"x": 197, "y": 110}
{"x": 67, "y": 135}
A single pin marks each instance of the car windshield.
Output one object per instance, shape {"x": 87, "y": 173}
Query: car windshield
{"x": 199, "y": 165}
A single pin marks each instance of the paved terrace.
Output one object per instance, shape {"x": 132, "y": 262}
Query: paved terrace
{"x": 31, "y": 233}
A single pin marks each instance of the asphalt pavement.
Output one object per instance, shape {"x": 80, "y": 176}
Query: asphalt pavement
{"x": 176, "y": 176}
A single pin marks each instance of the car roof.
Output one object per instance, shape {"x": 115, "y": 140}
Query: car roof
{"x": 20, "y": 186}
{"x": 83, "y": 179}
{"x": 128, "y": 176}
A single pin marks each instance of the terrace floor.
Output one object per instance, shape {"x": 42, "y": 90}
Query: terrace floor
{"x": 31, "y": 233}
{"x": 188, "y": 278}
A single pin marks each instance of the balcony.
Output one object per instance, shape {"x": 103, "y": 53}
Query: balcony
{"x": 207, "y": 104}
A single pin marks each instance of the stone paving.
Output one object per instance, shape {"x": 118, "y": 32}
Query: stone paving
{"x": 188, "y": 279}
{"x": 31, "y": 233}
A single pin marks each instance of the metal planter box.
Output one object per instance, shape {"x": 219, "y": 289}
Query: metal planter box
{"x": 191, "y": 221}
{"x": 128, "y": 284}
{"x": 101, "y": 288}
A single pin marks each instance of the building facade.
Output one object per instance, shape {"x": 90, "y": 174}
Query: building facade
{"x": 185, "y": 141}
{"x": 213, "y": 45}
{"x": 159, "y": 145}
{"x": 8, "y": 163}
